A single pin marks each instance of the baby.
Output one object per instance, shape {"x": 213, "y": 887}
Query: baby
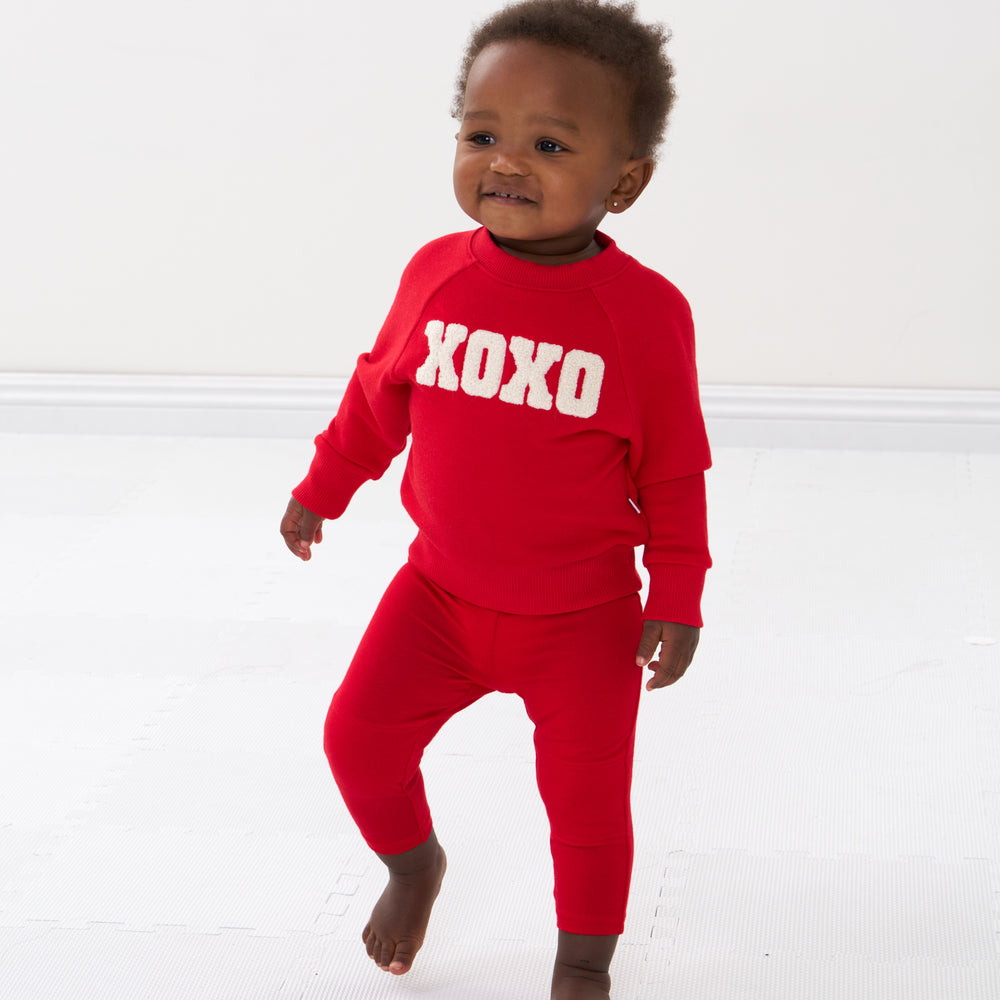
{"x": 547, "y": 383}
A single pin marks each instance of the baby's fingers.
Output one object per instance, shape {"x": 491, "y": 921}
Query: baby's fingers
{"x": 300, "y": 528}
{"x": 647, "y": 643}
{"x": 679, "y": 643}
{"x": 665, "y": 672}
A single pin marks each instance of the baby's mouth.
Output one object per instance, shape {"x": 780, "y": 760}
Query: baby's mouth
{"x": 508, "y": 196}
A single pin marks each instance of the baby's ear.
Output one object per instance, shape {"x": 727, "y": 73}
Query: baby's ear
{"x": 633, "y": 180}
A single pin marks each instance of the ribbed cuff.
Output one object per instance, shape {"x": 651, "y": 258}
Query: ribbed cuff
{"x": 675, "y": 594}
{"x": 330, "y": 484}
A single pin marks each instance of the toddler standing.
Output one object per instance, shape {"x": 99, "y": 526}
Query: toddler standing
{"x": 548, "y": 383}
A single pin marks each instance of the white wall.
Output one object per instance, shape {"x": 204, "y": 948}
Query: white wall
{"x": 223, "y": 187}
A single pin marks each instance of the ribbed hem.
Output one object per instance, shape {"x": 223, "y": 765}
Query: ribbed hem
{"x": 675, "y": 594}
{"x": 399, "y": 846}
{"x": 548, "y": 277}
{"x": 532, "y": 590}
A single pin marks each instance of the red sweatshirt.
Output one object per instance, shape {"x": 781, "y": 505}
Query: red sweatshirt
{"x": 556, "y": 426}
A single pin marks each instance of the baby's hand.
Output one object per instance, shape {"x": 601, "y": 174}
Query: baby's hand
{"x": 300, "y": 528}
{"x": 676, "y": 653}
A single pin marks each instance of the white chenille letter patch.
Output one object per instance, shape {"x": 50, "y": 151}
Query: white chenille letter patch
{"x": 580, "y": 377}
{"x": 479, "y": 379}
{"x": 579, "y": 396}
{"x": 439, "y": 368}
{"x": 532, "y": 367}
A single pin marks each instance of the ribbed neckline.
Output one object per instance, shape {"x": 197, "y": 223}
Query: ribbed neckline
{"x": 526, "y": 273}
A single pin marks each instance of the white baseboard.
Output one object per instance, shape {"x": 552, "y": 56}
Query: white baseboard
{"x": 247, "y": 406}
{"x": 171, "y": 405}
{"x": 876, "y": 419}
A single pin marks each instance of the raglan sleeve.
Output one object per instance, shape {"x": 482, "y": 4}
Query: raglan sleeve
{"x": 669, "y": 454}
{"x": 372, "y": 423}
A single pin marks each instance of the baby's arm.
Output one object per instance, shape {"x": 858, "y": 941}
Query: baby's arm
{"x": 677, "y": 557}
{"x": 300, "y": 528}
{"x": 676, "y": 652}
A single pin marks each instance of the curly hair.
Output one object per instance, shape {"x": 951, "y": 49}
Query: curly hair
{"x": 607, "y": 32}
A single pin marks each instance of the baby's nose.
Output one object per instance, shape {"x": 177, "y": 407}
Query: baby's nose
{"x": 509, "y": 163}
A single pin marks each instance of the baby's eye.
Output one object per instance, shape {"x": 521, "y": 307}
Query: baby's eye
{"x": 481, "y": 139}
{"x": 548, "y": 146}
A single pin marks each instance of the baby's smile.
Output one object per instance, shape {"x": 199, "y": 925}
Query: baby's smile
{"x": 508, "y": 195}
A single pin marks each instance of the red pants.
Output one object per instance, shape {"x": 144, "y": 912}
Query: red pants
{"x": 426, "y": 655}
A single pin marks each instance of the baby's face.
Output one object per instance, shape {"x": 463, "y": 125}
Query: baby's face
{"x": 543, "y": 144}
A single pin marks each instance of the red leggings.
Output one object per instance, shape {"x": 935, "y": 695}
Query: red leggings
{"x": 426, "y": 655}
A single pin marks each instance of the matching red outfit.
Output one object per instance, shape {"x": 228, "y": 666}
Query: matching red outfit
{"x": 555, "y": 426}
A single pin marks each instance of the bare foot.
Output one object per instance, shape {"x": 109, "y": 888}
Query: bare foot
{"x": 398, "y": 923}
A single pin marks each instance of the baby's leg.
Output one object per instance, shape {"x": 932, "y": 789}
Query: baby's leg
{"x": 581, "y": 969}
{"x": 401, "y": 687}
{"x": 582, "y": 693}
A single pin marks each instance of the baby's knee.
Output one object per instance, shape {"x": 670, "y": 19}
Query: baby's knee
{"x": 343, "y": 742}
{"x": 362, "y": 754}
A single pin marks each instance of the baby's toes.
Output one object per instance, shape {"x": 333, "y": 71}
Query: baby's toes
{"x": 402, "y": 958}
{"x": 371, "y": 943}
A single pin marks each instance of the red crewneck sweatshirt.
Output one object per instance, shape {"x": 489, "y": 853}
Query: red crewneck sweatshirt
{"x": 555, "y": 427}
